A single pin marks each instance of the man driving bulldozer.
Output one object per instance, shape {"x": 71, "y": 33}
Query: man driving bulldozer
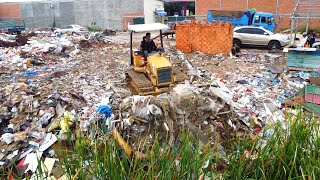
{"x": 148, "y": 46}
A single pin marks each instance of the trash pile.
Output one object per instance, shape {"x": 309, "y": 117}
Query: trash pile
{"x": 258, "y": 84}
{"x": 12, "y": 40}
{"x": 56, "y": 84}
{"x": 50, "y": 86}
{"x": 198, "y": 109}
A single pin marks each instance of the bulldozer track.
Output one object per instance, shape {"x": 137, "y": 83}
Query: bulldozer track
{"x": 139, "y": 82}
{"x": 141, "y": 85}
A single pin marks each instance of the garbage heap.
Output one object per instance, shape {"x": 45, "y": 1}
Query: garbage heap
{"x": 50, "y": 86}
{"x": 204, "y": 105}
{"x": 57, "y": 83}
{"x": 197, "y": 109}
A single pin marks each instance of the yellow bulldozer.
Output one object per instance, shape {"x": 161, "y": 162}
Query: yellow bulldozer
{"x": 155, "y": 74}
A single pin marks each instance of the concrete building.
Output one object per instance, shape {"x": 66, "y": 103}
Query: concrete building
{"x": 114, "y": 14}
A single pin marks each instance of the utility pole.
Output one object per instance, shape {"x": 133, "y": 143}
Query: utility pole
{"x": 277, "y": 6}
{"x": 308, "y": 20}
{"x": 247, "y": 4}
{"x": 195, "y": 7}
{"x": 185, "y": 8}
{"x": 53, "y": 15}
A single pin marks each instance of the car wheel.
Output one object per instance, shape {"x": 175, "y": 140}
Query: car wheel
{"x": 274, "y": 45}
{"x": 73, "y": 33}
{"x": 236, "y": 43}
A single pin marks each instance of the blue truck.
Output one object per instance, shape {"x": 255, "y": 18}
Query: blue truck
{"x": 244, "y": 18}
{"x": 11, "y": 27}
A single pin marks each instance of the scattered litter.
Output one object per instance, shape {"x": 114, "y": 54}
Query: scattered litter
{"x": 54, "y": 84}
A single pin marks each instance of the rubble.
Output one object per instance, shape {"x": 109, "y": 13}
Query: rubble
{"x": 56, "y": 84}
{"x": 12, "y": 40}
{"x": 40, "y": 94}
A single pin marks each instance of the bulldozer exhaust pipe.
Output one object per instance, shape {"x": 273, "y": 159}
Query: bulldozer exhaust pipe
{"x": 161, "y": 40}
{"x": 131, "y": 55}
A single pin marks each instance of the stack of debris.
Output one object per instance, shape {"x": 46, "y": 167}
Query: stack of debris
{"x": 57, "y": 84}
{"x": 12, "y": 40}
{"x": 51, "y": 86}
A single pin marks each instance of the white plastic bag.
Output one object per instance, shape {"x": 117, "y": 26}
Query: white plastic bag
{"x": 7, "y": 138}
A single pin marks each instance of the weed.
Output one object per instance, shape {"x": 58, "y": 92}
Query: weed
{"x": 93, "y": 29}
{"x": 283, "y": 152}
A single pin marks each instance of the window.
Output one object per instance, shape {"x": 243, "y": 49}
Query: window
{"x": 258, "y": 31}
{"x": 67, "y": 27}
{"x": 248, "y": 30}
{"x": 270, "y": 20}
{"x": 239, "y": 31}
{"x": 256, "y": 19}
{"x": 263, "y": 20}
{"x": 245, "y": 30}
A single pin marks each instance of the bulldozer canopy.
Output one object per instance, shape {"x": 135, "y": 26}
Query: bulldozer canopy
{"x": 147, "y": 27}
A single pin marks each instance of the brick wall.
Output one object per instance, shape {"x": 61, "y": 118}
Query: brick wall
{"x": 285, "y": 7}
{"x": 10, "y": 11}
{"x": 208, "y": 38}
{"x": 128, "y": 18}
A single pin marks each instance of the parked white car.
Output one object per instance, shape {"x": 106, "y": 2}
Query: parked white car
{"x": 258, "y": 36}
{"x": 72, "y": 29}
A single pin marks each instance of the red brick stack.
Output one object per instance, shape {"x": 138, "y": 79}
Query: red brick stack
{"x": 183, "y": 40}
{"x": 208, "y": 38}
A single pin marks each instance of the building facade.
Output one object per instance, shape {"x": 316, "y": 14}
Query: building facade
{"x": 114, "y": 14}
{"x": 117, "y": 14}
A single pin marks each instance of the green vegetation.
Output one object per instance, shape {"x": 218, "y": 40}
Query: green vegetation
{"x": 54, "y": 23}
{"x": 290, "y": 152}
{"x": 93, "y": 29}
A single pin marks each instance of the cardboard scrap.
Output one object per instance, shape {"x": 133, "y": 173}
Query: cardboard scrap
{"x": 48, "y": 165}
{"x": 49, "y": 141}
{"x": 32, "y": 160}
{"x": 315, "y": 80}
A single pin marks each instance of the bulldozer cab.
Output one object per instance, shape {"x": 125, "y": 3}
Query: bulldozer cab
{"x": 137, "y": 53}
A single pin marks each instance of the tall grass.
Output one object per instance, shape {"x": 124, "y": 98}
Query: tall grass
{"x": 288, "y": 153}
{"x": 105, "y": 160}
{"x": 292, "y": 152}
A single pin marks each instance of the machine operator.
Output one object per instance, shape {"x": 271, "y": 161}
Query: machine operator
{"x": 148, "y": 46}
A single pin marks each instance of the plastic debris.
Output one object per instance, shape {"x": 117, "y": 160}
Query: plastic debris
{"x": 28, "y": 74}
{"x": 53, "y": 84}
